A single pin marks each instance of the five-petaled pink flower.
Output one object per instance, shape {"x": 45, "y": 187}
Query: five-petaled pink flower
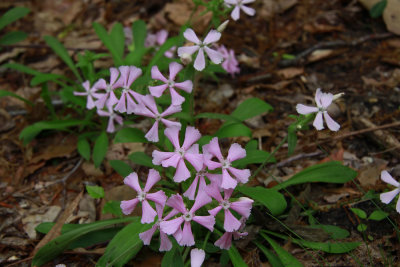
{"x": 185, "y": 236}
{"x": 201, "y": 46}
{"x": 197, "y": 257}
{"x": 112, "y": 117}
{"x": 128, "y": 75}
{"x": 176, "y": 159}
{"x": 240, "y": 5}
{"x": 235, "y": 152}
{"x": 90, "y": 93}
{"x": 230, "y": 64}
{"x": 201, "y": 182}
{"x": 389, "y": 196}
{"x": 242, "y": 206}
{"x": 108, "y": 98}
{"x": 159, "y": 197}
{"x": 323, "y": 101}
{"x": 149, "y": 109}
{"x": 170, "y": 83}
{"x": 225, "y": 241}
{"x": 165, "y": 243}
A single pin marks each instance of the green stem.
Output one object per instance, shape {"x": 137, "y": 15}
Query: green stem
{"x": 205, "y": 240}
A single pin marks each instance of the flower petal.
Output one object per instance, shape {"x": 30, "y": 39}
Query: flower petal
{"x": 156, "y": 74}
{"x": 186, "y": 86}
{"x": 206, "y": 221}
{"x": 332, "y": 125}
{"x": 225, "y": 241}
{"x": 235, "y": 152}
{"x": 127, "y": 206}
{"x": 200, "y": 61}
{"x": 159, "y": 157}
{"x": 158, "y": 90}
{"x": 389, "y": 196}
{"x": 387, "y": 178}
{"x": 201, "y": 199}
{"x": 133, "y": 182}
{"x": 214, "y": 149}
{"x": 195, "y": 159}
{"x": 182, "y": 173}
{"x": 303, "y": 109}
{"x": 187, "y": 50}
{"x": 171, "y": 226}
{"x": 191, "y": 36}
{"x": 213, "y": 191}
{"x": 326, "y": 99}
{"x": 191, "y": 191}
{"x": 235, "y": 13}
{"x": 173, "y": 136}
{"x": 174, "y": 68}
{"x": 197, "y": 257}
{"x": 176, "y": 202}
{"x": 152, "y": 134}
{"x": 241, "y": 175}
{"x": 172, "y": 161}
{"x": 148, "y": 213}
{"x": 227, "y": 180}
{"x": 158, "y": 197}
{"x": 187, "y": 235}
{"x": 176, "y": 99}
{"x": 212, "y": 37}
{"x": 147, "y": 235}
{"x": 215, "y": 211}
{"x": 215, "y": 56}
{"x": 242, "y": 206}
{"x": 231, "y": 224}
{"x": 152, "y": 179}
{"x": 248, "y": 10}
{"x": 166, "y": 244}
{"x": 191, "y": 136}
{"x": 318, "y": 122}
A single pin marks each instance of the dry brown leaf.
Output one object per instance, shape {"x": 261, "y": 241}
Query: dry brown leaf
{"x": 322, "y": 28}
{"x": 391, "y": 16}
{"x": 278, "y": 86}
{"x": 320, "y": 54}
{"x": 56, "y": 229}
{"x": 90, "y": 170}
{"x": 290, "y": 73}
{"x": 35, "y": 218}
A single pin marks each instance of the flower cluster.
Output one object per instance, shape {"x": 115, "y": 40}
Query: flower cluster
{"x": 180, "y": 217}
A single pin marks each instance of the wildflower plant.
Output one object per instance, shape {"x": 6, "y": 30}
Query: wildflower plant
{"x": 195, "y": 194}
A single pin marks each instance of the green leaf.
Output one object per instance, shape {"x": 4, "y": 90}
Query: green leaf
{"x": 272, "y": 258}
{"x": 100, "y": 149}
{"x": 113, "y": 207}
{"x": 270, "y": 198}
{"x": 95, "y": 191}
{"x": 21, "y": 68}
{"x": 130, "y": 135}
{"x": 46, "y": 77}
{"x": 12, "y": 38}
{"x": 60, "y": 50}
{"x": 292, "y": 140}
{"x": 335, "y": 231}
{"x": 361, "y": 227}
{"x": 108, "y": 42}
{"x": 139, "y": 33}
{"x": 7, "y": 93}
{"x": 45, "y": 94}
{"x": 286, "y": 258}
{"x": 329, "y": 172}
{"x": 30, "y": 132}
{"x": 121, "y": 167}
{"x": 143, "y": 159}
{"x": 124, "y": 246}
{"x": 56, "y": 246}
{"x": 377, "y": 10}
{"x": 359, "y": 212}
{"x": 253, "y": 157}
{"x": 117, "y": 37}
{"x": 251, "y": 107}
{"x": 233, "y": 130}
{"x": 12, "y": 15}
{"x": 84, "y": 148}
{"x": 330, "y": 247}
{"x": 174, "y": 41}
{"x": 172, "y": 258}
{"x": 378, "y": 215}
{"x": 236, "y": 258}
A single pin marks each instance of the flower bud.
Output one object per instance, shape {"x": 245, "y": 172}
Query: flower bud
{"x": 337, "y": 96}
{"x": 223, "y": 25}
{"x": 186, "y": 58}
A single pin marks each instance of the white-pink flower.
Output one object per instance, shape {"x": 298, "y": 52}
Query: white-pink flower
{"x": 323, "y": 101}
{"x": 128, "y": 75}
{"x": 240, "y": 5}
{"x": 197, "y": 257}
{"x": 108, "y": 98}
{"x": 165, "y": 243}
{"x": 235, "y": 152}
{"x": 176, "y": 159}
{"x": 185, "y": 237}
{"x": 201, "y": 46}
{"x": 230, "y": 64}
{"x": 389, "y": 196}
{"x": 242, "y": 206}
{"x": 159, "y": 197}
{"x": 149, "y": 109}
{"x": 170, "y": 83}
{"x": 90, "y": 94}
{"x": 112, "y": 116}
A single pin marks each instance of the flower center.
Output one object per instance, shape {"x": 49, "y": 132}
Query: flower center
{"x": 188, "y": 216}
{"x": 108, "y": 88}
{"x": 202, "y": 173}
{"x": 225, "y": 204}
{"x": 125, "y": 89}
{"x": 180, "y": 151}
{"x": 158, "y": 117}
{"x": 171, "y": 83}
{"x": 225, "y": 164}
{"x": 141, "y": 196}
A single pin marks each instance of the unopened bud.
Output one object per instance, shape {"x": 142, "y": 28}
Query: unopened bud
{"x": 223, "y": 25}
{"x": 186, "y": 58}
{"x": 337, "y": 96}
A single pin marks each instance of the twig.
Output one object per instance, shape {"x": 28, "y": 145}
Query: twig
{"x": 330, "y": 44}
{"x": 297, "y": 157}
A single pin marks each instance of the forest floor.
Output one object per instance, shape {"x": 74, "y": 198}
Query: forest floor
{"x": 286, "y": 51}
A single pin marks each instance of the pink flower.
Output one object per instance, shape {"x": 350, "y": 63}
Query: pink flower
{"x": 148, "y": 213}
{"x": 201, "y": 182}
{"x": 157, "y": 91}
{"x": 240, "y": 5}
{"x": 109, "y": 97}
{"x": 176, "y": 159}
{"x": 230, "y": 64}
{"x": 323, "y": 101}
{"x": 165, "y": 243}
{"x": 90, "y": 93}
{"x": 235, "y": 152}
{"x": 197, "y": 257}
{"x": 112, "y": 117}
{"x": 158, "y": 39}
{"x": 225, "y": 241}
{"x": 242, "y": 206}
{"x": 389, "y": 196}
{"x": 149, "y": 109}
{"x": 185, "y": 236}
{"x": 128, "y": 75}
{"x": 201, "y": 46}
